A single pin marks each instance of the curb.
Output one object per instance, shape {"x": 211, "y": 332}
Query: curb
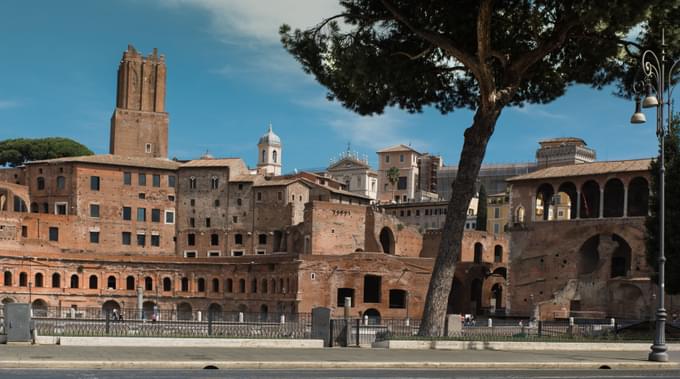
{"x": 33, "y": 364}
{"x": 515, "y": 346}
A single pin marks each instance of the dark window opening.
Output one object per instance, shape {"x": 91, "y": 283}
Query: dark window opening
{"x": 343, "y": 293}
{"x": 262, "y": 239}
{"x": 498, "y": 254}
{"x": 74, "y": 281}
{"x": 185, "y": 284}
{"x": 201, "y": 285}
{"x": 479, "y": 252}
{"x": 130, "y": 283}
{"x": 613, "y": 198}
{"x": 56, "y": 280}
{"x": 167, "y": 284}
{"x": 94, "y": 282}
{"x": 242, "y": 285}
{"x": 372, "y": 284}
{"x": 214, "y": 239}
{"x": 397, "y": 299}
{"x": 94, "y": 183}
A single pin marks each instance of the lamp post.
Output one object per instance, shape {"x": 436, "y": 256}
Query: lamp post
{"x": 659, "y": 89}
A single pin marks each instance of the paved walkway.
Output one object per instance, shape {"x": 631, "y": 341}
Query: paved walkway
{"x": 77, "y": 357}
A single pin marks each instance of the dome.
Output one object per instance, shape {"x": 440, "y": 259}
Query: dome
{"x": 270, "y": 138}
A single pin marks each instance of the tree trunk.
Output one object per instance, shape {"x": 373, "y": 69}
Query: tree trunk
{"x": 474, "y": 147}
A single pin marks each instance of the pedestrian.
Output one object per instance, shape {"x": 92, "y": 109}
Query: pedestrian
{"x": 115, "y": 314}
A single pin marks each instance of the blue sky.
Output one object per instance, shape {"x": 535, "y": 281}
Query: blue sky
{"x": 228, "y": 78}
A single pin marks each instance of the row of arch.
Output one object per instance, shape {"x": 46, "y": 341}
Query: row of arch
{"x": 479, "y": 253}
{"x": 229, "y": 285}
{"x": 591, "y": 201}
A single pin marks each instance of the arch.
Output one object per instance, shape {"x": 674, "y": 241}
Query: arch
{"x": 111, "y": 282}
{"x": 638, "y": 197}
{"x": 94, "y": 282}
{"x": 185, "y": 284}
{"x": 621, "y": 258}
{"x": 476, "y": 295}
{"x": 229, "y": 285}
{"x": 627, "y": 302}
{"x": 613, "y": 198}
{"x": 590, "y": 199}
{"x": 23, "y": 279}
{"x": 109, "y": 306}
{"x": 148, "y": 283}
{"x": 589, "y": 255}
{"x": 74, "y": 281}
{"x": 200, "y": 285}
{"x": 38, "y": 280}
{"x": 544, "y": 195}
{"x": 184, "y": 311}
{"x": 373, "y": 316}
{"x": 7, "y": 300}
{"x": 149, "y": 308}
{"x": 497, "y": 294}
{"x": 479, "y": 253}
{"x": 39, "y": 308}
{"x": 215, "y": 312}
{"x": 387, "y": 240}
{"x": 130, "y": 283}
{"x": 498, "y": 254}
{"x": 242, "y": 285}
{"x": 215, "y": 285}
{"x": 566, "y": 201}
{"x": 242, "y": 308}
{"x": 264, "y": 312}
{"x": 7, "y": 278}
{"x": 501, "y": 271}
{"x": 167, "y": 284}
{"x": 3, "y": 202}
{"x": 275, "y": 156}
{"x": 264, "y": 156}
{"x": 519, "y": 214}
{"x": 56, "y": 280}
{"x": 19, "y": 204}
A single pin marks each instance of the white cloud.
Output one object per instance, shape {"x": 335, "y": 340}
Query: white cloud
{"x": 260, "y": 20}
{"x": 538, "y": 111}
{"x": 7, "y": 104}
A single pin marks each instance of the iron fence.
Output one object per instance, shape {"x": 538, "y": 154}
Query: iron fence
{"x": 164, "y": 323}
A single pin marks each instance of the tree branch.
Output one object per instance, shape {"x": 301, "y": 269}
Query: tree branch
{"x": 414, "y": 57}
{"x": 486, "y": 81}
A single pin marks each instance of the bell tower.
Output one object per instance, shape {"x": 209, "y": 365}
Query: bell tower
{"x": 269, "y": 153}
{"x": 139, "y": 125}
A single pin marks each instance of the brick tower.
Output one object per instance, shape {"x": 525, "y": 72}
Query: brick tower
{"x": 139, "y": 125}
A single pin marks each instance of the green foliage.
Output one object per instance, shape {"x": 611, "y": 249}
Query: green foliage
{"x": 393, "y": 175}
{"x": 481, "y": 208}
{"x": 672, "y": 216}
{"x": 14, "y": 152}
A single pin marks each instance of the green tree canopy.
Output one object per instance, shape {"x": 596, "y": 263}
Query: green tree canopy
{"x": 672, "y": 216}
{"x": 483, "y": 55}
{"x": 14, "y": 152}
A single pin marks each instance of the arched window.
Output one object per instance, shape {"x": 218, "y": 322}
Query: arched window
{"x": 23, "y": 279}
{"x": 274, "y": 156}
{"x": 167, "y": 284}
{"x": 7, "y": 280}
{"x": 111, "y": 282}
{"x": 56, "y": 280}
{"x": 74, "y": 281}
{"x": 201, "y": 285}
{"x": 544, "y": 197}
{"x": 479, "y": 252}
{"x": 215, "y": 285}
{"x": 242, "y": 285}
{"x": 638, "y": 197}
{"x": 590, "y": 199}
{"x": 264, "y": 156}
{"x": 229, "y": 285}
{"x": 214, "y": 182}
{"x": 520, "y": 214}
{"x": 498, "y": 253}
{"x": 130, "y": 283}
{"x": 185, "y": 284}
{"x": 38, "y": 280}
{"x": 148, "y": 284}
{"x": 94, "y": 282}
{"x": 613, "y": 198}
{"x": 40, "y": 183}
{"x": 565, "y": 202}
{"x": 192, "y": 182}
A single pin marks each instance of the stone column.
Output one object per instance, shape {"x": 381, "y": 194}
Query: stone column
{"x": 532, "y": 208}
{"x": 578, "y": 204}
{"x": 625, "y": 201}
{"x": 601, "y": 202}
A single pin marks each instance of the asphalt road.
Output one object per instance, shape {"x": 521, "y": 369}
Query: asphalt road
{"x": 332, "y": 374}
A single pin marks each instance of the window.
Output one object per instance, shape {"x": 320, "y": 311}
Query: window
{"x": 130, "y": 283}
{"x": 214, "y": 183}
{"x": 216, "y": 285}
{"x": 207, "y": 222}
{"x": 259, "y": 196}
{"x": 192, "y": 183}
{"x": 147, "y": 148}
{"x": 169, "y": 216}
{"x": 401, "y": 183}
{"x": 61, "y": 182}
{"x": 156, "y": 180}
{"x": 260, "y": 252}
{"x": 372, "y": 285}
{"x": 141, "y": 239}
{"x": 213, "y": 253}
{"x": 262, "y": 239}
{"x": 60, "y": 208}
{"x": 238, "y": 239}
{"x": 185, "y": 285}
{"x": 94, "y": 282}
{"x": 155, "y": 240}
{"x": 240, "y": 186}
{"x": 498, "y": 254}
{"x": 56, "y": 280}
{"x": 237, "y": 253}
{"x": 23, "y": 280}
{"x": 141, "y": 214}
{"x": 401, "y": 157}
{"x": 280, "y": 195}
{"x": 94, "y": 237}
{"x": 94, "y": 183}
{"x": 190, "y": 254}
{"x": 496, "y": 228}
{"x": 398, "y": 299}
{"x": 41, "y": 183}
{"x": 172, "y": 181}
{"x": 496, "y": 212}
{"x": 127, "y": 213}
{"x": 94, "y": 210}
{"x": 171, "y": 197}
{"x": 54, "y": 233}
{"x": 214, "y": 239}
{"x": 201, "y": 285}
{"x": 387, "y": 159}
{"x": 38, "y": 280}
{"x": 192, "y": 222}
{"x": 216, "y": 203}
{"x": 417, "y": 212}
{"x": 234, "y": 219}
{"x": 155, "y": 215}
{"x": 229, "y": 285}
{"x": 142, "y": 195}
{"x": 192, "y": 202}
{"x": 253, "y": 286}
{"x": 74, "y": 281}
{"x": 141, "y": 179}
{"x": 126, "y": 238}
{"x": 127, "y": 178}
{"x": 148, "y": 284}
{"x": 7, "y": 280}
{"x": 24, "y": 231}
{"x": 111, "y": 283}
{"x": 274, "y": 156}
{"x": 167, "y": 284}
{"x": 242, "y": 285}
{"x": 239, "y": 201}
{"x": 191, "y": 239}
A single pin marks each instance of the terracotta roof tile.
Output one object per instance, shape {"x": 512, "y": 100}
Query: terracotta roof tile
{"x": 586, "y": 169}
{"x": 115, "y": 160}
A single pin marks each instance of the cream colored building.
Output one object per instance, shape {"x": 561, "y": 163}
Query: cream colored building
{"x": 405, "y": 159}
{"x": 355, "y": 173}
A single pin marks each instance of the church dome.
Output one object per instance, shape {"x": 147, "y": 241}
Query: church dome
{"x": 270, "y": 138}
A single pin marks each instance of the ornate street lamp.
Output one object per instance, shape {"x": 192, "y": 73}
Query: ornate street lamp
{"x": 659, "y": 89}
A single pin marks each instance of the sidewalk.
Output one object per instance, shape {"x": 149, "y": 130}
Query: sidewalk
{"x": 80, "y": 357}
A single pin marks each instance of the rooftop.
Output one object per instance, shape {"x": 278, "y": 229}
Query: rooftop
{"x": 115, "y": 160}
{"x": 585, "y": 169}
